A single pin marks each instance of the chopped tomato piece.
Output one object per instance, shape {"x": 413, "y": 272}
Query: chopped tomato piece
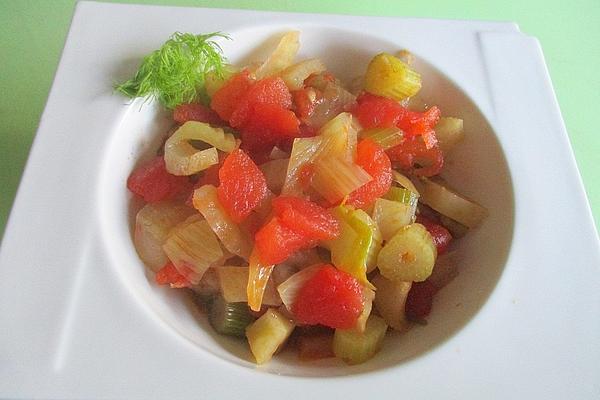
{"x": 375, "y": 162}
{"x": 419, "y": 300}
{"x": 306, "y": 218}
{"x": 243, "y": 186}
{"x": 377, "y": 112}
{"x": 226, "y": 99}
{"x": 169, "y": 275}
{"x": 330, "y": 297}
{"x": 196, "y": 112}
{"x": 153, "y": 183}
{"x": 440, "y": 235}
{"x": 267, "y": 126}
{"x": 381, "y": 112}
{"x": 413, "y": 156}
{"x": 275, "y": 242}
{"x": 271, "y": 90}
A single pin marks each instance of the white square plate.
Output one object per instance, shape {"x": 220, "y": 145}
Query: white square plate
{"x": 80, "y": 319}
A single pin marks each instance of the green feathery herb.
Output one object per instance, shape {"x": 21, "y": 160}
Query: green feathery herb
{"x": 175, "y": 73}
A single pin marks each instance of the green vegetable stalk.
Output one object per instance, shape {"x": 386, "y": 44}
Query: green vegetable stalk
{"x": 175, "y": 73}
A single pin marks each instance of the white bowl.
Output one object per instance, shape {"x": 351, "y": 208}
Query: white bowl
{"x": 477, "y": 167}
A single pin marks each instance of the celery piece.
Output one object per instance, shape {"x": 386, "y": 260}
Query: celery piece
{"x": 336, "y": 177}
{"x": 451, "y": 204}
{"x": 391, "y": 216}
{"x": 391, "y": 300}
{"x": 267, "y": 334}
{"x": 390, "y": 77}
{"x": 229, "y": 319}
{"x": 402, "y": 195}
{"x": 384, "y": 137}
{"x": 350, "y": 250}
{"x": 448, "y": 132}
{"x": 355, "y": 347}
{"x": 408, "y": 256}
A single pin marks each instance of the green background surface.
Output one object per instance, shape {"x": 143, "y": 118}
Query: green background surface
{"x": 32, "y": 34}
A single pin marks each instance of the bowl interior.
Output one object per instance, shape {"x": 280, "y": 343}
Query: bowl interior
{"x": 476, "y": 167}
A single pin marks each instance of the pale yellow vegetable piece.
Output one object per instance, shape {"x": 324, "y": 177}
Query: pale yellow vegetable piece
{"x": 449, "y": 131}
{"x": 390, "y": 77}
{"x": 282, "y": 57}
{"x": 336, "y": 177}
{"x": 390, "y": 301}
{"x": 181, "y": 158}
{"x": 368, "y": 296}
{"x": 233, "y": 238}
{"x": 356, "y": 347}
{"x": 267, "y": 334}
{"x": 152, "y": 226}
{"x": 403, "y": 181}
{"x": 451, "y": 204}
{"x": 193, "y": 247}
{"x": 294, "y": 75}
{"x": 233, "y": 282}
{"x": 258, "y": 278}
{"x": 408, "y": 256}
{"x": 390, "y": 216}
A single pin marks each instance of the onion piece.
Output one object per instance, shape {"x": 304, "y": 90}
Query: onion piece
{"x": 391, "y": 216}
{"x": 288, "y": 290}
{"x": 368, "y": 297}
{"x": 233, "y": 282}
{"x": 152, "y": 226}
{"x": 193, "y": 247}
{"x": 294, "y": 75}
{"x": 235, "y": 240}
{"x": 258, "y": 276}
{"x": 448, "y": 132}
{"x": 181, "y": 158}
{"x": 451, "y": 204}
{"x": 390, "y": 301}
{"x": 275, "y": 173}
{"x": 403, "y": 181}
{"x": 303, "y": 152}
{"x": 282, "y": 57}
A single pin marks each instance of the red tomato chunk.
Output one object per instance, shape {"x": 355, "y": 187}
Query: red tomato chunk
{"x": 196, "y": 112}
{"x": 331, "y": 297}
{"x": 153, "y": 183}
{"x": 168, "y": 275}
{"x": 243, "y": 186}
{"x": 306, "y": 218}
{"x": 275, "y": 242}
{"x": 440, "y": 235}
{"x": 419, "y": 301}
{"x": 376, "y": 163}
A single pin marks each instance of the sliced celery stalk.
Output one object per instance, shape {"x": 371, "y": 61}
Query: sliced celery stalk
{"x": 229, "y": 318}
{"x": 384, "y": 137}
{"x": 402, "y": 195}
{"x": 350, "y": 250}
{"x": 390, "y": 77}
{"x": 408, "y": 256}
{"x": 391, "y": 216}
{"x": 355, "y": 347}
{"x": 267, "y": 334}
